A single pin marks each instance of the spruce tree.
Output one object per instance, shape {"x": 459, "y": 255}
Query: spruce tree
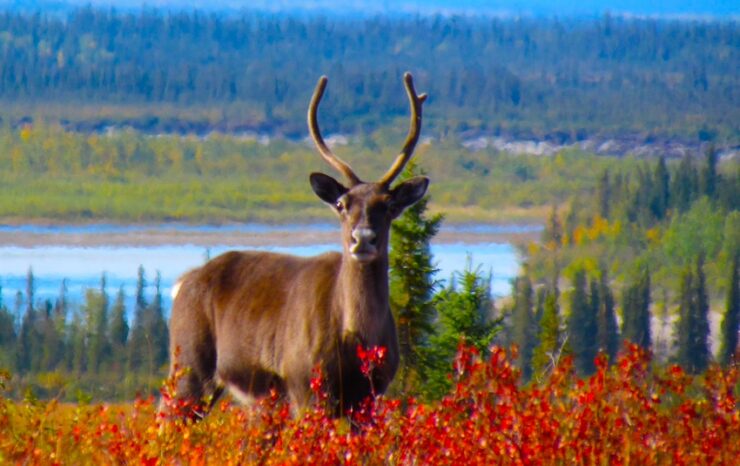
{"x": 660, "y": 190}
{"x": 157, "y": 328}
{"x": 61, "y": 309}
{"x": 702, "y": 353}
{"x": 636, "y": 310}
{"x": 523, "y": 325}
{"x": 50, "y": 354}
{"x": 119, "y": 329}
{"x": 412, "y": 284}
{"x": 7, "y": 336}
{"x": 582, "y": 326}
{"x": 552, "y": 235}
{"x": 138, "y": 344}
{"x": 464, "y": 316}
{"x": 684, "y": 185}
{"x": 731, "y": 320}
{"x": 604, "y": 195}
{"x": 709, "y": 178}
{"x": 96, "y": 322}
{"x": 76, "y": 353}
{"x": 550, "y": 341}
{"x": 693, "y": 324}
{"x": 607, "y": 333}
{"x": 28, "y": 338}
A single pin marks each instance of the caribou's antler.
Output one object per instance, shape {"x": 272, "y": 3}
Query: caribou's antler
{"x": 313, "y": 126}
{"x": 415, "y": 129}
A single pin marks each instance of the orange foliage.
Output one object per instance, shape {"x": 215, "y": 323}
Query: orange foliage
{"x": 623, "y": 414}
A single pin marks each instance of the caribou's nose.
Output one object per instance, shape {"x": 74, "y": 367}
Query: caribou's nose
{"x": 363, "y": 235}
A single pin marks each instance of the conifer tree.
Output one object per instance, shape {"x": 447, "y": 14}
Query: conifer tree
{"x": 77, "y": 354}
{"x": 61, "y": 309}
{"x": 523, "y": 325}
{"x": 731, "y": 320}
{"x": 7, "y": 336}
{"x": 582, "y": 326}
{"x": 138, "y": 343}
{"x": 607, "y": 334}
{"x": 28, "y": 337}
{"x": 703, "y": 354}
{"x": 550, "y": 341}
{"x": 604, "y": 195}
{"x": 49, "y": 352}
{"x": 96, "y": 322}
{"x": 636, "y": 310}
{"x": 157, "y": 327}
{"x": 684, "y": 185}
{"x": 693, "y": 325}
{"x": 412, "y": 284}
{"x": 464, "y": 316}
{"x": 119, "y": 329}
{"x": 552, "y": 235}
{"x": 709, "y": 178}
{"x": 660, "y": 187}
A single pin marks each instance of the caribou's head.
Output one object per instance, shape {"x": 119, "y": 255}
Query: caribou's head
{"x": 366, "y": 209}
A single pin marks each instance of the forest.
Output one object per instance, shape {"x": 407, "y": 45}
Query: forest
{"x": 618, "y": 343}
{"x": 192, "y": 72}
{"x": 192, "y": 117}
{"x": 50, "y": 174}
{"x": 649, "y": 255}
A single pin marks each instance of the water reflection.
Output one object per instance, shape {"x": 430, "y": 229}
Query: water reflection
{"x": 82, "y": 267}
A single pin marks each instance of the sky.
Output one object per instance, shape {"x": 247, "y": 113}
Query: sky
{"x": 669, "y": 8}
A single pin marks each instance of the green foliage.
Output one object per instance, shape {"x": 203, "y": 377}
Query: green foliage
{"x": 118, "y": 331}
{"x": 582, "y": 325}
{"x": 700, "y": 228}
{"x": 412, "y": 285}
{"x": 130, "y": 177}
{"x": 607, "y": 337}
{"x": 95, "y": 312}
{"x": 550, "y": 338}
{"x": 636, "y": 309}
{"x": 148, "y": 341}
{"x": 524, "y": 323}
{"x": 7, "y": 336}
{"x": 692, "y": 330}
{"x": 731, "y": 320}
{"x": 464, "y": 309}
{"x": 85, "y": 353}
{"x": 163, "y": 71}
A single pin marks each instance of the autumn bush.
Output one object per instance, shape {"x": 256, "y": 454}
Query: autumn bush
{"x": 626, "y": 413}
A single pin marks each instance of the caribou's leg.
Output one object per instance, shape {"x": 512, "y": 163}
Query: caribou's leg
{"x": 192, "y": 362}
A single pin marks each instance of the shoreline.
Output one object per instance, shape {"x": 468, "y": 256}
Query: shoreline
{"x": 231, "y": 235}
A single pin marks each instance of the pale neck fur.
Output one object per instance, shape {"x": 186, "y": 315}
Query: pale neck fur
{"x": 362, "y": 296}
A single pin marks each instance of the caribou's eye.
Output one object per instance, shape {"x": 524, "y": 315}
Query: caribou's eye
{"x": 340, "y": 206}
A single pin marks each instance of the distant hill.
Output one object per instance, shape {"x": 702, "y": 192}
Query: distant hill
{"x": 669, "y": 8}
{"x": 561, "y": 80}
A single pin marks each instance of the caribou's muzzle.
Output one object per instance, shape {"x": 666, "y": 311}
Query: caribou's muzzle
{"x": 363, "y": 247}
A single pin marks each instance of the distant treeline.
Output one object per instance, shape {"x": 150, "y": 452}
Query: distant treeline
{"x": 49, "y": 173}
{"x": 93, "y": 349}
{"x": 191, "y": 72}
{"x": 667, "y": 240}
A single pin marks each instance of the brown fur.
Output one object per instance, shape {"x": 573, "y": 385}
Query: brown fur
{"x": 256, "y": 321}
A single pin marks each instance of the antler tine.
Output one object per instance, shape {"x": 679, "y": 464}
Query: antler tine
{"x": 416, "y": 102}
{"x": 313, "y": 127}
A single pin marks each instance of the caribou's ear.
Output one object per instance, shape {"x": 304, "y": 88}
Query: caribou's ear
{"x": 408, "y": 193}
{"x": 327, "y": 188}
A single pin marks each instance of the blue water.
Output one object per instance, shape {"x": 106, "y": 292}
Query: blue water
{"x": 82, "y": 267}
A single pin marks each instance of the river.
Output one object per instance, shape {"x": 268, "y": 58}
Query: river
{"x": 81, "y": 254}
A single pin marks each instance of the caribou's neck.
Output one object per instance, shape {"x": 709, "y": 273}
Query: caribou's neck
{"x": 363, "y": 297}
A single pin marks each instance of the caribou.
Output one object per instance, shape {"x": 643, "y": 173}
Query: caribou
{"x": 256, "y": 322}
